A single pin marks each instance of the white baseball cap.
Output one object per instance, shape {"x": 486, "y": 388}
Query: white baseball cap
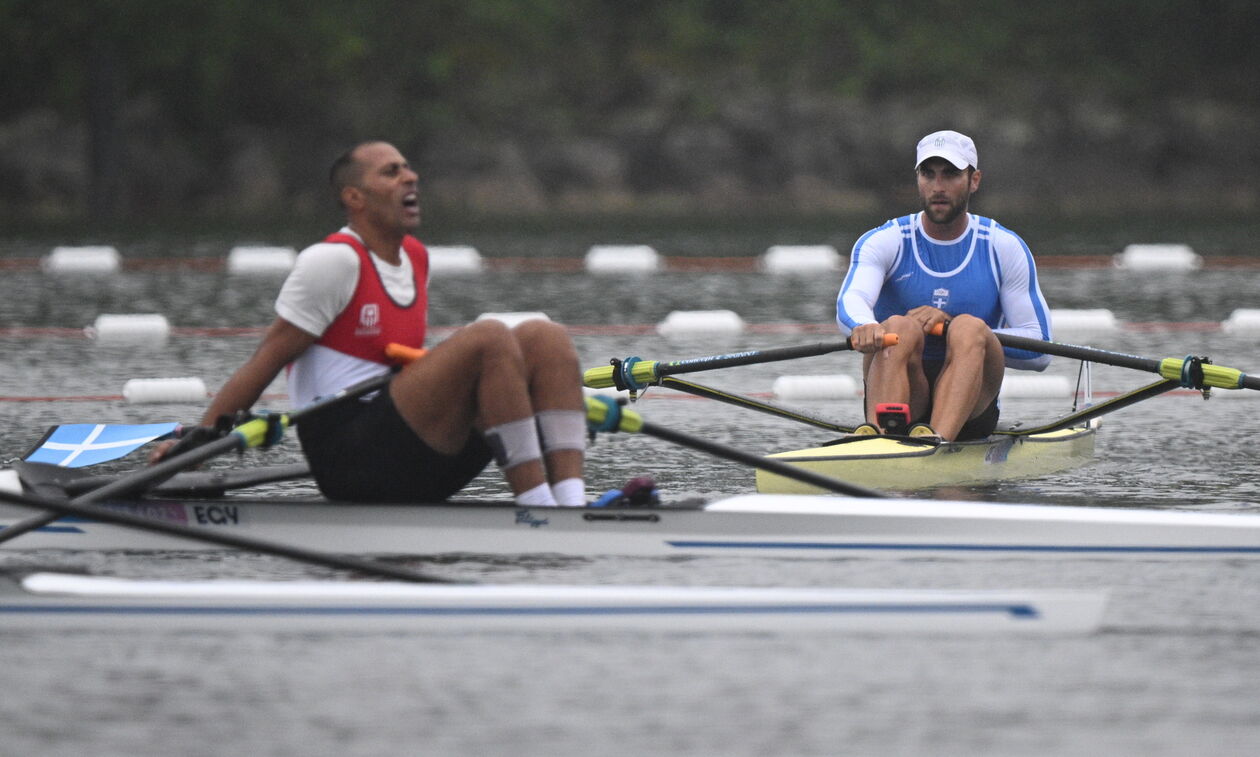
{"x": 950, "y": 145}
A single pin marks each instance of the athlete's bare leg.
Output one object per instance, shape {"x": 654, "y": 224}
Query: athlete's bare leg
{"x": 554, "y": 376}
{"x": 476, "y": 378}
{"x": 895, "y": 373}
{"x": 971, "y": 377}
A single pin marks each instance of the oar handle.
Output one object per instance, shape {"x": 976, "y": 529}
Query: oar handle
{"x": 402, "y": 354}
{"x": 636, "y": 373}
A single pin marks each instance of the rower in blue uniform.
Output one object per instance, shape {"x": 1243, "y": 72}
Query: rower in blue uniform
{"x": 942, "y": 270}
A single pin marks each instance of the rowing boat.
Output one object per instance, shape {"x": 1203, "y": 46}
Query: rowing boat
{"x": 895, "y": 462}
{"x": 58, "y": 602}
{"x": 886, "y": 462}
{"x": 777, "y": 525}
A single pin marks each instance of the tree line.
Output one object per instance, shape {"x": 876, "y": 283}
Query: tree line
{"x": 208, "y": 74}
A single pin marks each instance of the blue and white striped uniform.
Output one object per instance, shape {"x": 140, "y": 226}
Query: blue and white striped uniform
{"x": 987, "y": 272}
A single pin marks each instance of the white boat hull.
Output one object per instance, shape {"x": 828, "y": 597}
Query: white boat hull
{"x": 53, "y": 602}
{"x": 798, "y": 526}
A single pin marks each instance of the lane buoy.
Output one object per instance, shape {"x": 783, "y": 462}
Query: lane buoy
{"x": 160, "y": 390}
{"x": 681, "y": 323}
{"x": 829, "y": 387}
{"x": 259, "y": 260}
{"x": 455, "y": 260}
{"x": 608, "y": 258}
{"x": 97, "y": 259}
{"x": 800, "y": 259}
{"x": 129, "y": 329}
{"x": 1158, "y": 257}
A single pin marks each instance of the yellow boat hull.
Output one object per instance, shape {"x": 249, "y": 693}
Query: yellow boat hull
{"x": 883, "y": 462}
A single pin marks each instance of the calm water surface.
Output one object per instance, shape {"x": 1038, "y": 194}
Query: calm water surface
{"x": 1174, "y": 672}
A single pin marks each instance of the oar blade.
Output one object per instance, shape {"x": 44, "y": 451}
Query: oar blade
{"x": 77, "y": 445}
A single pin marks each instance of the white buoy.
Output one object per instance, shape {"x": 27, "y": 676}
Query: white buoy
{"x": 129, "y": 329}
{"x": 608, "y": 258}
{"x": 800, "y": 259}
{"x": 150, "y": 391}
{"x": 1158, "y": 257}
{"x": 1016, "y": 386}
{"x": 454, "y": 260}
{"x": 831, "y": 387}
{"x": 1077, "y": 321}
{"x": 687, "y": 322}
{"x": 98, "y": 259}
{"x": 513, "y": 319}
{"x": 1242, "y": 321}
{"x": 257, "y": 260}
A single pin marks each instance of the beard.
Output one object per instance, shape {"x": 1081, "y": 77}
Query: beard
{"x": 945, "y": 216}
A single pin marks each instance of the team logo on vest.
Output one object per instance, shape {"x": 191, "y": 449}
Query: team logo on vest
{"x": 369, "y": 320}
{"x": 940, "y": 298}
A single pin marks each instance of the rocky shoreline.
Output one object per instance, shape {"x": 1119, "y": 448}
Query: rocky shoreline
{"x": 752, "y": 150}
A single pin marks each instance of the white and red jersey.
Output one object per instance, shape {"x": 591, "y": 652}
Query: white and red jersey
{"x": 356, "y": 304}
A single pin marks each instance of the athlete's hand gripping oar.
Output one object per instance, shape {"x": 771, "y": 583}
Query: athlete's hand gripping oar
{"x": 221, "y": 537}
{"x": 253, "y": 433}
{"x": 606, "y": 414}
{"x": 635, "y": 373}
{"x": 1192, "y": 372}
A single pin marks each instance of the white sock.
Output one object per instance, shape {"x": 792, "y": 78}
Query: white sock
{"x": 571, "y": 492}
{"x": 538, "y": 496}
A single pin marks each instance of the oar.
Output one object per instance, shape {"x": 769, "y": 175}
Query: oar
{"x": 1192, "y": 372}
{"x": 1093, "y": 411}
{"x": 635, "y": 373}
{"x": 195, "y": 483}
{"x": 751, "y": 403}
{"x": 224, "y": 538}
{"x": 253, "y": 433}
{"x": 605, "y": 414}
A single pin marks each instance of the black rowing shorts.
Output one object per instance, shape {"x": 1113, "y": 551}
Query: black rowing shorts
{"x": 363, "y": 451}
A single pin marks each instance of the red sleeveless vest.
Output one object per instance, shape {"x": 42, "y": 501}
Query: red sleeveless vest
{"x": 372, "y": 319}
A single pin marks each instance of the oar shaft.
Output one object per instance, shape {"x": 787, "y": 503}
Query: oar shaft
{"x": 1078, "y": 352}
{"x": 250, "y": 434}
{"x": 757, "y": 461}
{"x": 644, "y": 372}
{"x": 1218, "y": 376}
{"x": 605, "y": 415}
{"x": 739, "y": 400}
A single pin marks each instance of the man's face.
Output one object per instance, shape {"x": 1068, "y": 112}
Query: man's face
{"x": 387, "y": 190}
{"x": 945, "y": 189}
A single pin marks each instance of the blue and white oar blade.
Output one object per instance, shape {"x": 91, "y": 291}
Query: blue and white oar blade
{"x": 75, "y": 445}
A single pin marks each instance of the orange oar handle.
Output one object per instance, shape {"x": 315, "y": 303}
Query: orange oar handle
{"x": 938, "y": 329}
{"x": 401, "y": 353}
{"x": 891, "y": 339}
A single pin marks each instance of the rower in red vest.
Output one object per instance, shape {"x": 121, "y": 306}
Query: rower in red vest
{"x": 486, "y": 391}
